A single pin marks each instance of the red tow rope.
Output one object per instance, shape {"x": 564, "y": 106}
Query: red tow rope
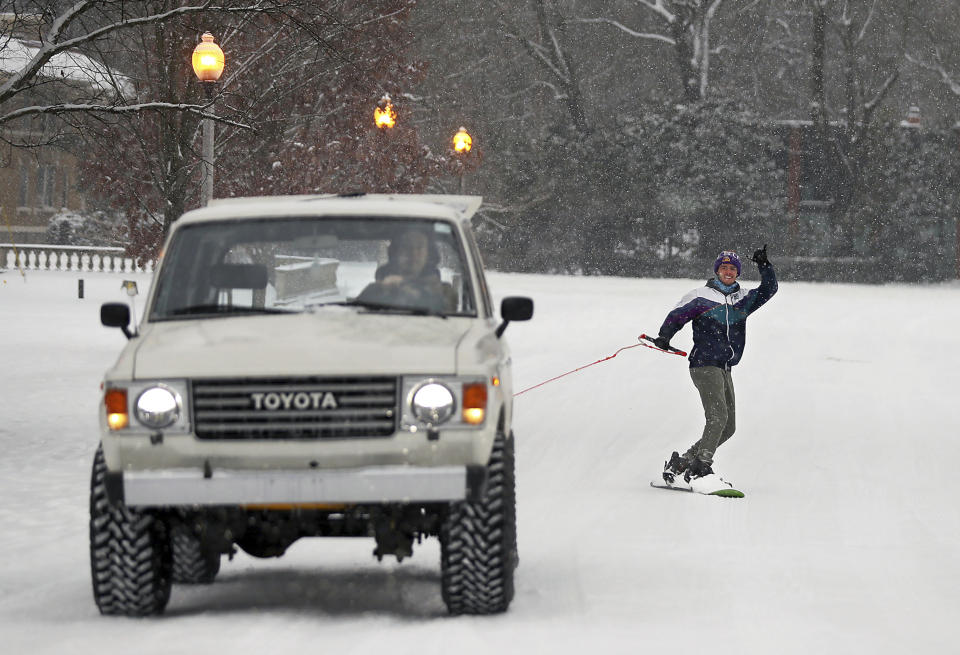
{"x": 672, "y": 351}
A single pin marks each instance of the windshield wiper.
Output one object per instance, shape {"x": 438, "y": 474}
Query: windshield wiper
{"x": 226, "y": 309}
{"x": 386, "y": 307}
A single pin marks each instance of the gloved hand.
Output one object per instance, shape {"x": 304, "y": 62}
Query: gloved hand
{"x": 662, "y": 343}
{"x": 760, "y": 257}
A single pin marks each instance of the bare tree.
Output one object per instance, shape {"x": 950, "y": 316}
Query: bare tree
{"x": 295, "y": 101}
{"x": 552, "y": 53}
{"x": 934, "y": 50}
{"x": 686, "y": 26}
{"x": 936, "y": 65}
{"x": 863, "y": 81}
{"x": 46, "y": 43}
{"x": 864, "y": 84}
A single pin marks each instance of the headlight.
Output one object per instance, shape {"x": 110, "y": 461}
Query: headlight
{"x": 158, "y": 407}
{"x": 433, "y": 403}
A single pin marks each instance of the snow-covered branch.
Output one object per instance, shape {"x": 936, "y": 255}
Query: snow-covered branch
{"x": 688, "y": 25}
{"x": 867, "y": 21}
{"x": 750, "y": 5}
{"x": 66, "y": 108}
{"x": 52, "y": 45}
{"x": 64, "y": 19}
{"x": 557, "y": 93}
{"x": 712, "y": 9}
{"x": 939, "y": 69}
{"x": 653, "y": 36}
{"x": 703, "y": 44}
{"x": 658, "y": 7}
{"x": 537, "y": 51}
{"x": 558, "y": 53}
{"x": 871, "y": 104}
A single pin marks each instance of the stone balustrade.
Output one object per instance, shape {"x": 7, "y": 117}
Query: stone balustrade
{"x": 86, "y": 259}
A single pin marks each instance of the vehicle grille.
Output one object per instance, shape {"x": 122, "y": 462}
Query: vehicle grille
{"x": 295, "y": 408}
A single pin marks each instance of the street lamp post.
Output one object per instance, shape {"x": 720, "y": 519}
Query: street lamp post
{"x": 956, "y": 220}
{"x": 462, "y": 143}
{"x": 208, "y": 64}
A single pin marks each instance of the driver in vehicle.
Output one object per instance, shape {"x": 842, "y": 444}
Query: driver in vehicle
{"x": 411, "y": 276}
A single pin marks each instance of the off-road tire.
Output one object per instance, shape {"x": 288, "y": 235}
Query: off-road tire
{"x": 130, "y": 556}
{"x": 192, "y": 564}
{"x": 478, "y": 541}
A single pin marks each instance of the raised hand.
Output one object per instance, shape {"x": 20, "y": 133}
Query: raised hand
{"x": 760, "y": 257}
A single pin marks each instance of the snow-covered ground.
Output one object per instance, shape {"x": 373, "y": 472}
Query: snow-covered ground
{"x": 847, "y": 446}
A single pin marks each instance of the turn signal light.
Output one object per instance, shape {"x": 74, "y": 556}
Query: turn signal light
{"x": 116, "y": 403}
{"x": 474, "y": 403}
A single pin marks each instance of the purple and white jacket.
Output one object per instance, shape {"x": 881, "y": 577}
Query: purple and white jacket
{"x": 719, "y": 319}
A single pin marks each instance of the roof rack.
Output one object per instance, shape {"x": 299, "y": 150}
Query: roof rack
{"x": 465, "y": 206}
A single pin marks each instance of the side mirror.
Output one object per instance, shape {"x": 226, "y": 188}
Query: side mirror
{"x": 116, "y": 314}
{"x": 514, "y": 308}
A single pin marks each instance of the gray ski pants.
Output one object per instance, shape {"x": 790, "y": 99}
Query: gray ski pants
{"x": 715, "y": 385}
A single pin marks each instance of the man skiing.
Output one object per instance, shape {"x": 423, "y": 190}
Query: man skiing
{"x": 719, "y": 312}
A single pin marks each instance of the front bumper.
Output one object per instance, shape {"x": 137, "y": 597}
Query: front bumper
{"x": 385, "y": 484}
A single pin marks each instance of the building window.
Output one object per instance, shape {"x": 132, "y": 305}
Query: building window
{"x": 24, "y": 197}
{"x": 46, "y": 186}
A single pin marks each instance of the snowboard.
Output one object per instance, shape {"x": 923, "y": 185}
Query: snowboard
{"x": 711, "y": 485}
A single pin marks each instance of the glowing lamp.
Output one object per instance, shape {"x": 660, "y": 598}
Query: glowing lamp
{"x": 474, "y": 403}
{"x": 462, "y": 142}
{"x": 385, "y": 116}
{"x": 208, "y": 59}
{"x": 116, "y": 406}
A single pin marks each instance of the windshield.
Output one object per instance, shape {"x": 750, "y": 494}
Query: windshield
{"x": 301, "y": 264}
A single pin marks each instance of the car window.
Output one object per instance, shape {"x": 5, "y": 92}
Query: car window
{"x": 484, "y": 290}
{"x": 298, "y": 264}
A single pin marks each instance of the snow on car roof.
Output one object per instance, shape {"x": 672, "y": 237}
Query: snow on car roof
{"x": 459, "y": 208}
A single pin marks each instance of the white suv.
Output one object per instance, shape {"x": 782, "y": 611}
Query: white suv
{"x": 309, "y": 366}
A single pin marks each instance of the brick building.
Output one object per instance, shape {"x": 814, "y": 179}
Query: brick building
{"x": 39, "y": 180}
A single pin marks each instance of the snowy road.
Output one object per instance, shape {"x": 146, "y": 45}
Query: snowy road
{"x": 848, "y": 540}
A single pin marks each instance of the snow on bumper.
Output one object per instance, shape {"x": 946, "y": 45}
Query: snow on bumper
{"x": 393, "y": 484}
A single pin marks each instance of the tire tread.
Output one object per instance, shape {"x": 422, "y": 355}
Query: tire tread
{"x": 130, "y": 557}
{"x": 478, "y": 542}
